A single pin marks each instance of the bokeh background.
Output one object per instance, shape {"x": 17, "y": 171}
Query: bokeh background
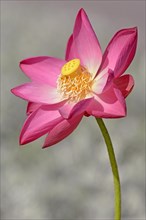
{"x": 73, "y": 179}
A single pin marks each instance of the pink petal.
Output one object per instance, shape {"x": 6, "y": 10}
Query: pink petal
{"x": 31, "y": 107}
{"x": 120, "y": 51}
{"x": 110, "y": 104}
{"x": 42, "y": 69}
{"x": 62, "y": 130}
{"x": 74, "y": 109}
{"x": 70, "y": 52}
{"x": 103, "y": 81}
{"x": 66, "y": 109}
{"x": 39, "y": 123}
{"x": 39, "y": 93}
{"x": 84, "y": 44}
{"x": 125, "y": 84}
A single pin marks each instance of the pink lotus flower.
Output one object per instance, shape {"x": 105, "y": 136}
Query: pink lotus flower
{"x": 86, "y": 83}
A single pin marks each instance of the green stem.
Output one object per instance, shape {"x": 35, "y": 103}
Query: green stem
{"x": 117, "y": 188}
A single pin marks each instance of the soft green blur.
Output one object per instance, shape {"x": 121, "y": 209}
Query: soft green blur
{"x": 73, "y": 179}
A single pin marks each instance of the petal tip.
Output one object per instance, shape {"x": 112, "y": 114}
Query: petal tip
{"x": 46, "y": 145}
{"x": 81, "y": 14}
{"x": 135, "y": 29}
{"x": 12, "y": 90}
{"x": 22, "y": 139}
{"x": 21, "y": 142}
{"x": 81, "y": 11}
{"x": 23, "y": 62}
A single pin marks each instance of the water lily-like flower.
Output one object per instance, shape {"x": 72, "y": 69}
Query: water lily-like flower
{"x": 85, "y": 83}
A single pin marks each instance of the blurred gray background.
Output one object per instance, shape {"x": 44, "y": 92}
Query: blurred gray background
{"x": 73, "y": 179}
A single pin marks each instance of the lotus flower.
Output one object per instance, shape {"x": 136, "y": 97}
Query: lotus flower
{"x": 85, "y": 83}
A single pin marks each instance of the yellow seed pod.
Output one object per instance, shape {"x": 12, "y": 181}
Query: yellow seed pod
{"x": 70, "y": 67}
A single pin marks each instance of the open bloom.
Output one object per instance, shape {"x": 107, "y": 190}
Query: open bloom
{"x": 86, "y": 83}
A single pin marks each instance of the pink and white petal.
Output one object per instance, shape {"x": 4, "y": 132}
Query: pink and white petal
{"x": 39, "y": 123}
{"x": 95, "y": 109}
{"x": 42, "y": 69}
{"x": 62, "y": 130}
{"x": 125, "y": 84}
{"x": 66, "y": 109}
{"x": 69, "y": 110}
{"x": 110, "y": 104}
{"x": 31, "y": 107}
{"x": 103, "y": 81}
{"x": 84, "y": 44}
{"x": 39, "y": 93}
{"x": 120, "y": 51}
{"x": 70, "y": 52}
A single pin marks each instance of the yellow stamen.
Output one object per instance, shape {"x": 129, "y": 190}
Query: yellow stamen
{"x": 74, "y": 82}
{"x": 71, "y": 67}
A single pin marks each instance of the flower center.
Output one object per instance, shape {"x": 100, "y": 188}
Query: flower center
{"x": 74, "y": 82}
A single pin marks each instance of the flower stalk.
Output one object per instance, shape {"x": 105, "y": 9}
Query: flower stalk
{"x": 112, "y": 158}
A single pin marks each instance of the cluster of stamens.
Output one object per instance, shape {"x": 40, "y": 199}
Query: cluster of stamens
{"x": 74, "y": 82}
